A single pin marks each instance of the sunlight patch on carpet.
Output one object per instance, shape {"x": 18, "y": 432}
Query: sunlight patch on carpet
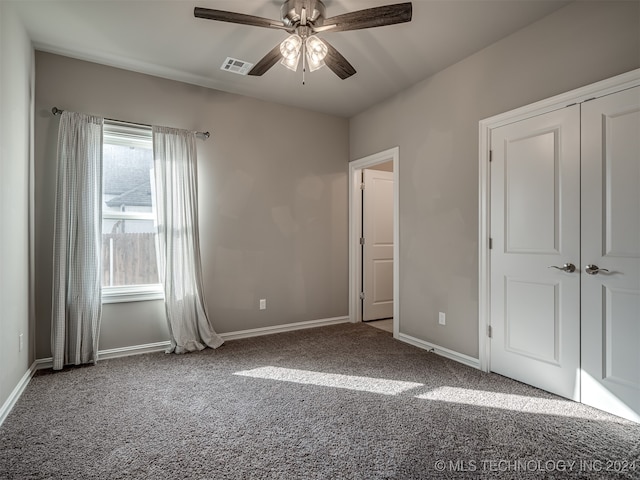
{"x": 335, "y": 380}
{"x": 507, "y": 401}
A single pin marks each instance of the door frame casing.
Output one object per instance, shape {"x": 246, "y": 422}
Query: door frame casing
{"x": 355, "y": 232}
{"x": 580, "y": 95}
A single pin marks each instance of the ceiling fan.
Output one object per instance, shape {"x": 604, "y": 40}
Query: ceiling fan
{"x": 303, "y": 20}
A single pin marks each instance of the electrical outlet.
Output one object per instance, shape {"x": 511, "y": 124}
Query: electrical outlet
{"x": 263, "y": 304}
{"x": 20, "y": 342}
{"x": 442, "y": 318}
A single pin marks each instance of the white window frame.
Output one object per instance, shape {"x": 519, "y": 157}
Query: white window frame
{"x": 129, "y": 135}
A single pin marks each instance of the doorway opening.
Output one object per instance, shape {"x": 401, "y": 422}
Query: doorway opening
{"x": 383, "y": 168}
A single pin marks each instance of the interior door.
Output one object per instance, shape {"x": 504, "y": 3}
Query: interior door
{"x": 535, "y": 232}
{"x": 377, "y": 265}
{"x": 611, "y": 242}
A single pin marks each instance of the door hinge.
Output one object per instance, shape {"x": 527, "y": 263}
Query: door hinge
{"x": 362, "y": 186}
{"x": 489, "y": 331}
{"x": 361, "y": 240}
{"x": 361, "y": 295}
{"x": 490, "y": 243}
{"x": 491, "y": 155}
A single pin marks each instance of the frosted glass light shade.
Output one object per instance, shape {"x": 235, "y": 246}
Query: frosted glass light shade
{"x": 290, "y": 50}
{"x": 316, "y": 52}
{"x": 291, "y": 63}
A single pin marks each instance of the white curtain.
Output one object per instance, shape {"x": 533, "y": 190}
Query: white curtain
{"x": 77, "y": 291}
{"x": 179, "y": 266}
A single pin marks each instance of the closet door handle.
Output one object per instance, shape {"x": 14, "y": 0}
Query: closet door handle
{"x": 594, "y": 269}
{"x": 567, "y": 267}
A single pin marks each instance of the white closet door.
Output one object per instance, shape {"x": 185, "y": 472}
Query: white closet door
{"x": 535, "y": 224}
{"x": 611, "y": 240}
{"x": 378, "y": 245}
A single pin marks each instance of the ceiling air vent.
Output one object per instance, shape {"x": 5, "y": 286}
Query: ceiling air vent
{"x": 234, "y": 65}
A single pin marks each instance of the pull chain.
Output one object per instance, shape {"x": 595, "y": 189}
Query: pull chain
{"x": 304, "y": 61}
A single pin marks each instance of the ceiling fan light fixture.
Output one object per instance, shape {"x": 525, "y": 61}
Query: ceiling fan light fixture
{"x": 314, "y": 65}
{"x": 291, "y": 63}
{"x": 290, "y": 49}
{"x": 304, "y": 19}
{"x": 316, "y": 51}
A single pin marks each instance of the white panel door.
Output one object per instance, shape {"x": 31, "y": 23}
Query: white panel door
{"x": 535, "y": 225}
{"x": 611, "y": 241}
{"x": 377, "y": 262}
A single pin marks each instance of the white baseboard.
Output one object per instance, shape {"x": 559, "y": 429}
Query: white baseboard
{"x": 254, "y": 332}
{"x": 43, "y": 363}
{"x": 162, "y": 346}
{"x": 288, "y": 327}
{"x": 16, "y": 393}
{"x": 114, "y": 353}
{"x": 444, "y": 352}
{"x": 133, "y": 350}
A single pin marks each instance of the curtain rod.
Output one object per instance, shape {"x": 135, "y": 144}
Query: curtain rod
{"x": 57, "y": 111}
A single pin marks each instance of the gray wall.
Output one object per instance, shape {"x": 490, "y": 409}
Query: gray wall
{"x": 435, "y": 124}
{"x": 16, "y": 68}
{"x": 272, "y": 199}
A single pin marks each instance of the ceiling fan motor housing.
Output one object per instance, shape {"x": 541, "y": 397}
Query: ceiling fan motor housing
{"x": 291, "y": 12}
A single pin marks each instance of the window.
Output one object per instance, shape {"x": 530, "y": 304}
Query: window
{"x": 129, "y": 268}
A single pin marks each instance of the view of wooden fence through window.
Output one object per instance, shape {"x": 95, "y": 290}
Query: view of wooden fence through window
{"x": 129, "y": 259}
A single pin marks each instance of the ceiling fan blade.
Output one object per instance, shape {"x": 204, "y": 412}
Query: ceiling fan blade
{"x": 241, "y": 18}
{"x": 337, "y": 63}
{"x": 268, "y": 61}
{"x": 368, "y": 18}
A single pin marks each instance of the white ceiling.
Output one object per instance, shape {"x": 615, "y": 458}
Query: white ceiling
{"x": 162, "y": 38}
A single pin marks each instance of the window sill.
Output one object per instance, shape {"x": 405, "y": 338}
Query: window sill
{"x": 132, "y": 293}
